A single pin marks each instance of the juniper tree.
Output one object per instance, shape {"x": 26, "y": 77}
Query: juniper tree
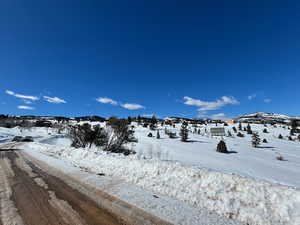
{"x": 255, "y": 140}
{"x": 184, "y": 132}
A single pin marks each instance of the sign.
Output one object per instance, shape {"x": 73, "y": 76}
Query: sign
{"x": 217, "y": 131}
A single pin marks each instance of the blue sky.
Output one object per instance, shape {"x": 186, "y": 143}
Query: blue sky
{"x": 125, "y": 58}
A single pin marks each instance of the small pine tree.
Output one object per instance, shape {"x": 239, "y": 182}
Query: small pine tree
{"x": 280, "y": 136}
{"x": 290, "y": 138}
{"x": 139, "y": 120}
{"x": 255, "y": 140}
{"x": 150, "y": 135}
{"x": 294, "y": 126}
{"x": 129, "y": 120}
{"x": 240, "y": 126}
{"x": 221, "y": 147}
{"x": 157, "y": 135}
{"x": 298, "y": 137}
{"x": 265, "y": 140}
{"x": 184, "y": 131}
{"x": 199, "y": 131}
{"x": 229, "y": 134}
{"x": 153, "y": 120}
{"x": 249, "y": 131}
{"x": 265, "y": 130}
{"x": 234, "y": 129}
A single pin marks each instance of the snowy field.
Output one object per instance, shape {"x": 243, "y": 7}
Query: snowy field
{"x": 243, "y": 185}
{"x": 259, "y": 163}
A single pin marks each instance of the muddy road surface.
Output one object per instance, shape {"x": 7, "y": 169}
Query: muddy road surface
{"x": 31, "y": 196}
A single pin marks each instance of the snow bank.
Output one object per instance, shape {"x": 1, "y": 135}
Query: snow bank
{"x": 245, "y": 199}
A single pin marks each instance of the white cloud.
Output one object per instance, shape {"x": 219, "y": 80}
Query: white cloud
{"x": 106, "y": 100}
{"x": 267, "y": 100}
{"x": 213, "y": 105}
{"x": 217, "y": 116}
{"x": 25, "y": 107}
{"x": 148, "y": 115}
{"x": 132, "y": 106}
{"x": 250, "y": 97}
{"x": 27, "y": 97}
{"x": 54, "y": 100}
{"x": 27, "y": 101}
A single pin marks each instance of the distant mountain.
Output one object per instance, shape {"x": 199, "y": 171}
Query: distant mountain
{"x": 263, "y": 117}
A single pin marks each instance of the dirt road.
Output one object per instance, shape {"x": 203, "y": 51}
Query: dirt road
{"x": 30, "y": 196}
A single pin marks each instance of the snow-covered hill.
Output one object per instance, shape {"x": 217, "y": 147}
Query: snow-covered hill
{"x": 263, "y": 117}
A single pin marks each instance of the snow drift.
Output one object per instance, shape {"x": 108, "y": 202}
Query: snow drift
{"x": 248, "y": 200}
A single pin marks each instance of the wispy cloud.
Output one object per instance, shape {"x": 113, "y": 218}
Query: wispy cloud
{"x": 250, "y": 97}
{"x": 132, "y": 106}
{"x": 148, "y": 115}
{"x": 25, "y": 107}
{"x": 212, "y": 105}
{"x": 54, "y": 100}
{"x": 106, "y": 100}
{"x": 26, "y": 97}
{"x": 217, "y": 116}
{"x": 267, "y": 100}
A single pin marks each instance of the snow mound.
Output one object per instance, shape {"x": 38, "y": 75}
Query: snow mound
{"x": 245, "y": 199}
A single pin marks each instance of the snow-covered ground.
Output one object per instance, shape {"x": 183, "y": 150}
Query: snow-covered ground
{"x": 242, "y": 185}
{"x": 259, "y": 163}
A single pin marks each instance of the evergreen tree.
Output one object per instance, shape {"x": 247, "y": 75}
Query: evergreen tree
{"x": 299, "y": 137}
{"x": 129, "y": 120}
{"x": 153, "y": 123}
{"x": 184, "y": 132}
{"x": 139, "y": 120}
{"x": 280, "y": 136}
{"x": 153, "y": 120}
{"x": 265, "y": 130}
{"x": 221, "y": 147}
{"x": 294, "y": 126}
{"x": 229, "y": 134}
{"x": 157, "y": 135}
{"x": 255, "y": 140}
{"x": 240, "y": 126}
{"x": 249, "y": 131}
{"x": 265, "y": 140}
{"x": 234, "y": 129}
